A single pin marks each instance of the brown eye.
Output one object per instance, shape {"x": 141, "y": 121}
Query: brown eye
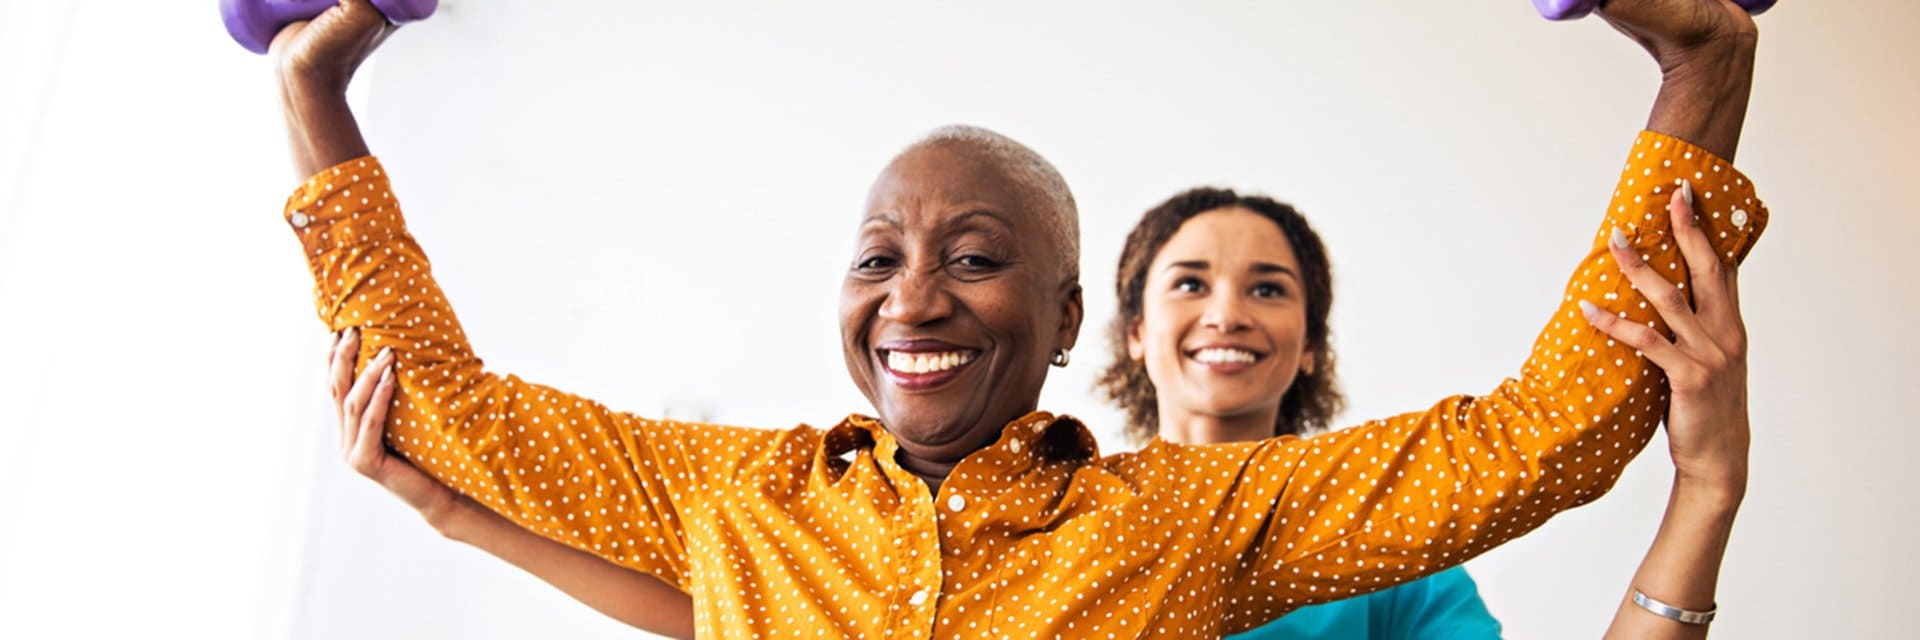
{"x": 1189, "y": 284}
{"x": 976, "y": 262}
{"x": 876, "y": 263}
{"x": 1269, "y": 290}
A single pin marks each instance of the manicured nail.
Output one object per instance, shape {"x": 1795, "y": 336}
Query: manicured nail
{"x": 1589, "y": 308}
{"x": 386, "y": 376}
{"x": 353, "y": 333}
{"x": 386, "y": 354}
{"x": 1619, "y": 239}
{"x": 1686, "y": 192}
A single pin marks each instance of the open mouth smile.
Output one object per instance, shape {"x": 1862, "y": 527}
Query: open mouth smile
{"x": 920, "y": 364}
{"x": 1223, "y": 359}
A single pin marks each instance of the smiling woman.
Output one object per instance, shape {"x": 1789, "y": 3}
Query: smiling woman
{"x": 1172, "y": 261}
{"x": 965, "y": 285}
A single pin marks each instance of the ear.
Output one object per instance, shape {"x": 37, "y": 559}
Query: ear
{"x": 1073, "y": 309}
{"x": 1136, "y": 348}
{"x": 1307, "y": 363}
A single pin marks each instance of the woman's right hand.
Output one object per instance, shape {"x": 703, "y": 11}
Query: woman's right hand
{"x": 322, "y": 53}
{"x": 361, "y": 406}
{"x": 1677, "y": 31}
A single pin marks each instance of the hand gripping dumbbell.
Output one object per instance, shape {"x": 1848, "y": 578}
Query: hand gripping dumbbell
{"x": 253, "y": 23}
{"x": 1571, "y": 9}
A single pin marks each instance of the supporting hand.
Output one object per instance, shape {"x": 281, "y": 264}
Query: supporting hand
{"x": 362, "y": 410}
{"x": 1705, "y": 362}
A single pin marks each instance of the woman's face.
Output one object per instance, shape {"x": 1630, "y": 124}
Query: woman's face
{"x": 954, "y": 301}
{"x": 1223, "y": 325}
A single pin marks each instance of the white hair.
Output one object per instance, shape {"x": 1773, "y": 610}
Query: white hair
{"x": 1061, "y": 219}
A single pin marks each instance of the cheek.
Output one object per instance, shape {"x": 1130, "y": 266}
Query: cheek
{"x": 859, "y": 304}
{"x": 1160, "y": 339}
{"x": 1289, "y": 331}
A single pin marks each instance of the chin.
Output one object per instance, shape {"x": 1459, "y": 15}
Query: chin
{"x": 926, "y": 427}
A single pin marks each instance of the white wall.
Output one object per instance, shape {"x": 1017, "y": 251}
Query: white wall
{"x": 652, "y": 204}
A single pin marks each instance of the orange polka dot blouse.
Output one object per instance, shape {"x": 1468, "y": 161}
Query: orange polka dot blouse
{"x": 810, "y": 532}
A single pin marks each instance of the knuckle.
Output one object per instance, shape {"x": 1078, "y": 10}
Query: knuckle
{"x": 1710, "y": 267}
{"x": 1671, "y": 298}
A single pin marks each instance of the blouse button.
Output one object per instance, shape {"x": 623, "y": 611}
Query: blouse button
{"x": 1739, "y": 218}
{"x": 918, "y": 598}
{"x": 299, "y": 219}
{"x": 956, "y": 503}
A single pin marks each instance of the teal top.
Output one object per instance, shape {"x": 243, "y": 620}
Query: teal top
{"x": 1442, "y": 605}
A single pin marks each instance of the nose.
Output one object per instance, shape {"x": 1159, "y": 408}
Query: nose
{"x": 1225, "y": 313}
{"x": 917, "y": 298}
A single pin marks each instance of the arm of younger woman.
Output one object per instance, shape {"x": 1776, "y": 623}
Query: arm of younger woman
{"x": 635, "y": 598}
{"x": 1707, "y": 433}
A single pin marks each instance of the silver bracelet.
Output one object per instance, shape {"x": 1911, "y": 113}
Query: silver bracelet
{"x": 1671, "y": 612}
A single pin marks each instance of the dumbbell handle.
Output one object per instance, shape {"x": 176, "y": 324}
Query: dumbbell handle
{"x": 253, "y": 23}
{"x": 1571, "y": 9}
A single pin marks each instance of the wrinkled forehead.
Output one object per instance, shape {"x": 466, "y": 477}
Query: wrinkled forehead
{"x": 930, "y": 183}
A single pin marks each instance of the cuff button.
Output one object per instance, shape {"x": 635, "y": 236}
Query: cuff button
{"x": 299, "y": 219}
{"x": 1739, "y": 218}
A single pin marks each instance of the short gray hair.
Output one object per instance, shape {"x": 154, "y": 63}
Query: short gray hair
{"x": 1062, "y": 222}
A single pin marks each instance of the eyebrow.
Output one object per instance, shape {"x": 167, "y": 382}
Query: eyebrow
{"x": 962, "y": 219}
{"x": 1258, "y": 267}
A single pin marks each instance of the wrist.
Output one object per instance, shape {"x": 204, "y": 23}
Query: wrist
{"x": 1723, "y": 61}
{"x": 1719, "y": 493}
{"x": 452, "y": 518}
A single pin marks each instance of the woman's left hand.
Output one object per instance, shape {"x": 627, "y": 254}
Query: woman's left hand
{"x": 1705, "y": 362}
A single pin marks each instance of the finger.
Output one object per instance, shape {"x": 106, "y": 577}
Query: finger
{"x": 1733, "y": 289}
{"x": 371, "y": 445}
{"x": 355, "y": 404}
{"x": 1641, "y": 337}
{"x": 340, "y": 363}
{"x": 1668, "y": 299}
{"x": 1736, "y": 342}
{"x": 1704, "y": 267}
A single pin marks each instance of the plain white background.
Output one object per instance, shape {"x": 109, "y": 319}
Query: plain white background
{"x": 652, "y": 204}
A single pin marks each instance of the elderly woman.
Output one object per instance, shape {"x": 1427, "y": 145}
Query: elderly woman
{"x": 962, "y": 510}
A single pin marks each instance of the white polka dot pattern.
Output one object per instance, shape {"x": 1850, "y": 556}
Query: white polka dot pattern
{"x": 804, "y": 532}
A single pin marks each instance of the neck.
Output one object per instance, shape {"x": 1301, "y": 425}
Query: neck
{"x": 1187, "y": 427}
{"x": 931, "y": 472}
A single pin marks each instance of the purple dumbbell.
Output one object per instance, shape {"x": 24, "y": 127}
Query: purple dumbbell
{"x": 1571, "y": 9}
{"x": 253, "y": 23}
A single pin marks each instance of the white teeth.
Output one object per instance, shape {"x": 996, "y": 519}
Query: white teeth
{"x": 926, "y": 362}
{"x": 1218, "y": 355}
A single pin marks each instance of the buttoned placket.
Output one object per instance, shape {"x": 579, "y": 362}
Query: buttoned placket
{"x": 915, "y": 605}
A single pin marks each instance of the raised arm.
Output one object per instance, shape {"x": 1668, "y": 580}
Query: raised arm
{"x": 635, "y": 598}
{"x": 1706, "y": 50}
{"x": 564, "y": 467}
{"x": 1359, "y": 509}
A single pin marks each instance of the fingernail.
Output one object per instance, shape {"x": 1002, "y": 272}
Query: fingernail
{"x": 386, "y": 376}
{"x": 353, "y": 333}
{"x": 1619, "y": 239}
{"x": 386, "y": 353}
{"x": 1589, "y": 308}
{"x": 1686, "y": 192}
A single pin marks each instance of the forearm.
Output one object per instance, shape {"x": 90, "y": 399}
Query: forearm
{"x": 634, "y": 598}
{"x": 1704, "y": 94}
{"x": 1683, "y": 566}
{"x": 321, "y": 129}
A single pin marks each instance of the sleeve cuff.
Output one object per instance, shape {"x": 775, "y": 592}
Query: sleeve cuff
{"x": 347, "y": 204}
{"x": 1724, "y": 199}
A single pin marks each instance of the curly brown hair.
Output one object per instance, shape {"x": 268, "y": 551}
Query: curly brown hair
{"x": 1311, "y": 401}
